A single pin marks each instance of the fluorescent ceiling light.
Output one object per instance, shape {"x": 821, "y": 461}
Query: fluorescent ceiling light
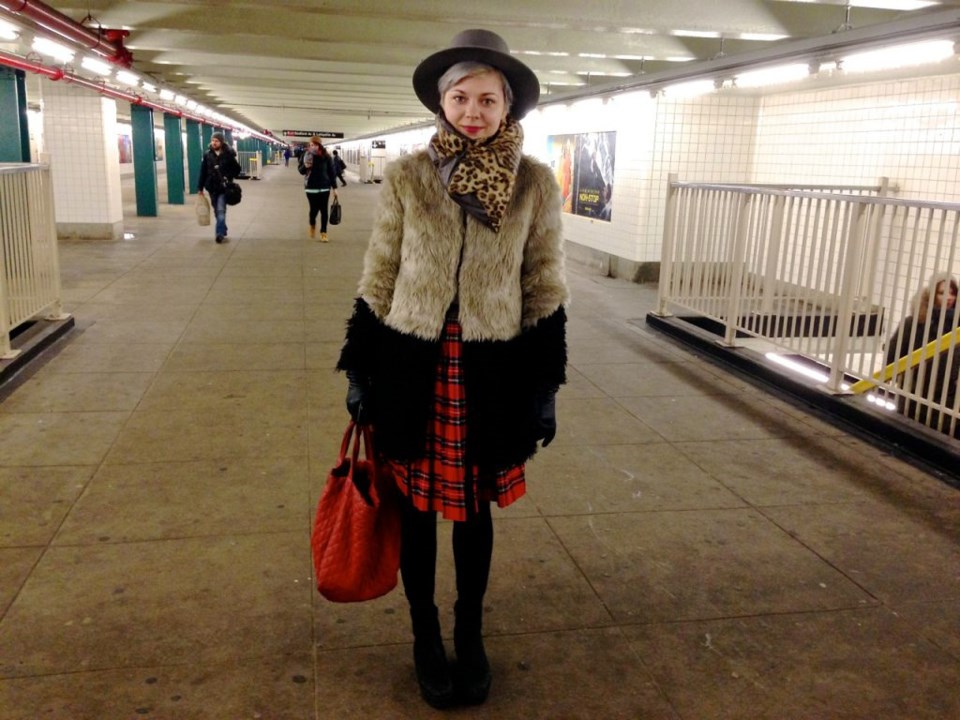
{"x": 898, "y": 56}
{"x": 128, "y": 78}
{"x": 96, "y": 66}
{"x": 180, "y": 100}
{"x": 558, "y": 54}
{"x": 632, "y": 57}
{"x": 53, "y": 49}
{"x": 599, "y": 56}
{"x": 893, "y": 4}
{"x": 689, "y": 89}
{"x": 166, "y": 94}
{"x": 146, "y": 86}
{"x": 773, "y": 75}
{"x": 192, "y": 105}
{"x": 8, "y": 31}
{"x": 762, "y": 37}
{"x": 678, "y": 58}
{"x": 695, "y": 33}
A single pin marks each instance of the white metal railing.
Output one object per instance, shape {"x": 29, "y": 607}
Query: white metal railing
{"x": 826, "y": 274}
{"x": 249, "y": 163}
{"x": 30, "y": 279}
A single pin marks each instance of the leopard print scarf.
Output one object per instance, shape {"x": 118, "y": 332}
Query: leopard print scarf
{"x": 479, "y": 176}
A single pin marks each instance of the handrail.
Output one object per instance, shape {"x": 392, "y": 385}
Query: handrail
{"x": 902, "y": 364}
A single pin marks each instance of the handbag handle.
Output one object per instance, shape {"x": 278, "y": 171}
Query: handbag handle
{"x": 355, "y": 432}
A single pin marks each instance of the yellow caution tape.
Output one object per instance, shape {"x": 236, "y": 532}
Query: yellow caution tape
{"x": 932, "y": 348}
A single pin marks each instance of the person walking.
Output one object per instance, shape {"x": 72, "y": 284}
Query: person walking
{"x": 339, "y": 166}
{"x": 456, "y": 346}
{"x": 286, "y": 156}
{"x": 319, "y": 172}
{"x": 218, "y": 167}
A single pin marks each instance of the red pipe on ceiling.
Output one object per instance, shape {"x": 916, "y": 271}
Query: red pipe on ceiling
{"x": 56, "y": 73}
{"x": 66, "y": 27}
{"x": 19, "y": 63}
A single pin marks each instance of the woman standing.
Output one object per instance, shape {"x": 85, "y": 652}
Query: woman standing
{"x": 456, "y": 346}
{"x": 219, "y": 166}
{"x": 319, "y": 180}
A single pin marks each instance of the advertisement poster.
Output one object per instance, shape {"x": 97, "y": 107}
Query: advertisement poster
{"x": 125, "y": 145}
{"x": 583, "y": 164}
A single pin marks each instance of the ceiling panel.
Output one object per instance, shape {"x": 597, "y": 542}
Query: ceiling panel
{"x": 345, "y": 65}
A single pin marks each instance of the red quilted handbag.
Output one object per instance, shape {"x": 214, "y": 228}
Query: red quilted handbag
{"x": 356, "y": 533}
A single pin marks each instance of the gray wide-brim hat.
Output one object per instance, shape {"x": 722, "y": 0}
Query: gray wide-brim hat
{"x": 484, "y": 47}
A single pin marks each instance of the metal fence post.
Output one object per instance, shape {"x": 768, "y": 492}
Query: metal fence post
{"x": 666, "y": 249}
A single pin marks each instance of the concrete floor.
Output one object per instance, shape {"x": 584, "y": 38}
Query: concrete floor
{"x": 689, "y": 548}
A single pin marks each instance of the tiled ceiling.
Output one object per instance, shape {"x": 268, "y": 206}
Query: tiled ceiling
{"x": 345, "y": 65}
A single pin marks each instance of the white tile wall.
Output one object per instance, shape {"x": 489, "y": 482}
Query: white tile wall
{"x": 907, "y": 130}
{"x": 79, "y": 131}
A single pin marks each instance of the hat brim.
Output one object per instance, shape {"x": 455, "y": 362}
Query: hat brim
{"x": 523, "y": 81}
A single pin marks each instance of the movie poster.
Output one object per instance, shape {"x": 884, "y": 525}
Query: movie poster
{"x": 583, "y": 165}
{"x": 125, "y": 145}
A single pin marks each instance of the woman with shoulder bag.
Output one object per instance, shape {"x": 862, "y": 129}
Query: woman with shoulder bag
{"x": 319, "y": 179}
{"x": 456, "y": 346}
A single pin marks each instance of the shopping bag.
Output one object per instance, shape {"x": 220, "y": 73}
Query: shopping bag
{"x": 336, "y": 213}
{"x": 203, "y": 210}
{"x": 356, "y": 532}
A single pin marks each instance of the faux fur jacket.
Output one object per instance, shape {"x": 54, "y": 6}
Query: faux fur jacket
{"x": 424, "y": 255}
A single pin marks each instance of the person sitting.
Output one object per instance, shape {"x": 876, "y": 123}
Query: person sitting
{"x": 933, "y": 380}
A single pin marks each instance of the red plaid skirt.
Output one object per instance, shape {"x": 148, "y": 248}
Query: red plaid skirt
{"x": 441, "y": 480}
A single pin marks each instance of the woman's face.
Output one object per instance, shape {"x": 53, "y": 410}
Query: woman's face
{"x": 475, "y": 106}
{"x": 946, "y": 295}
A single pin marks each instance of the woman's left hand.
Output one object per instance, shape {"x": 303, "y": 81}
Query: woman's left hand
{"x": 546, "y": 417}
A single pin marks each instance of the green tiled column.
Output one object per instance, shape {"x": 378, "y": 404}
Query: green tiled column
{"x": 144, "y": 167}
{"x": 207, "y": 134}
{"x": 14, "y": 134}
{"x": 174, "y": 143}
{"x": 194, "y": 155}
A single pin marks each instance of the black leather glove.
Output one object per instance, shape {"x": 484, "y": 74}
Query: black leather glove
{"x": 546, "y": 416}
{"x": 358, "y": 394}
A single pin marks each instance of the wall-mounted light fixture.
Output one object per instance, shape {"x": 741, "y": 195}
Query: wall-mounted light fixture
{"x": 98, "y": 67}
{"x": 53, "y": 49}
{"x": 898, "y": 56}
{"x": 128, "y": 78}
{"x": 775, "y": 75}
{"x": 693, "y": 88}
{"x": 8, "y": 31}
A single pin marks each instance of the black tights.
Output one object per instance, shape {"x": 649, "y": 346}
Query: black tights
{"x": 319, "y": 203}
{"x": 472, "y": 552}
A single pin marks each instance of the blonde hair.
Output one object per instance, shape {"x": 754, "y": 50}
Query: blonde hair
{"x": 927, "y": 297}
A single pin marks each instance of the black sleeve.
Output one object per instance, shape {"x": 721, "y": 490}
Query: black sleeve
{"x": 361, "y": 344}
{"x": 545, "y": 351}
{"x": 233, "y": 165}
{"x": 203, "y": 174}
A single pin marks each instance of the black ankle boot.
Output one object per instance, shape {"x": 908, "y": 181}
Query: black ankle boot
{"x": 430, "y": 660}
{"x": 472, "y": 676}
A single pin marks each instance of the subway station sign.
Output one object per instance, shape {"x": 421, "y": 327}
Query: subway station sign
{"x": 311, "y": 133}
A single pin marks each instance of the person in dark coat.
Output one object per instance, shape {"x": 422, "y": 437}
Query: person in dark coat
{"x": 319, "y": 180}
{"x": 339, "y": 166}
{"x": 933, "y": 380}
{"x": 219, "y": 165}
{"x": 457, "y": 343}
